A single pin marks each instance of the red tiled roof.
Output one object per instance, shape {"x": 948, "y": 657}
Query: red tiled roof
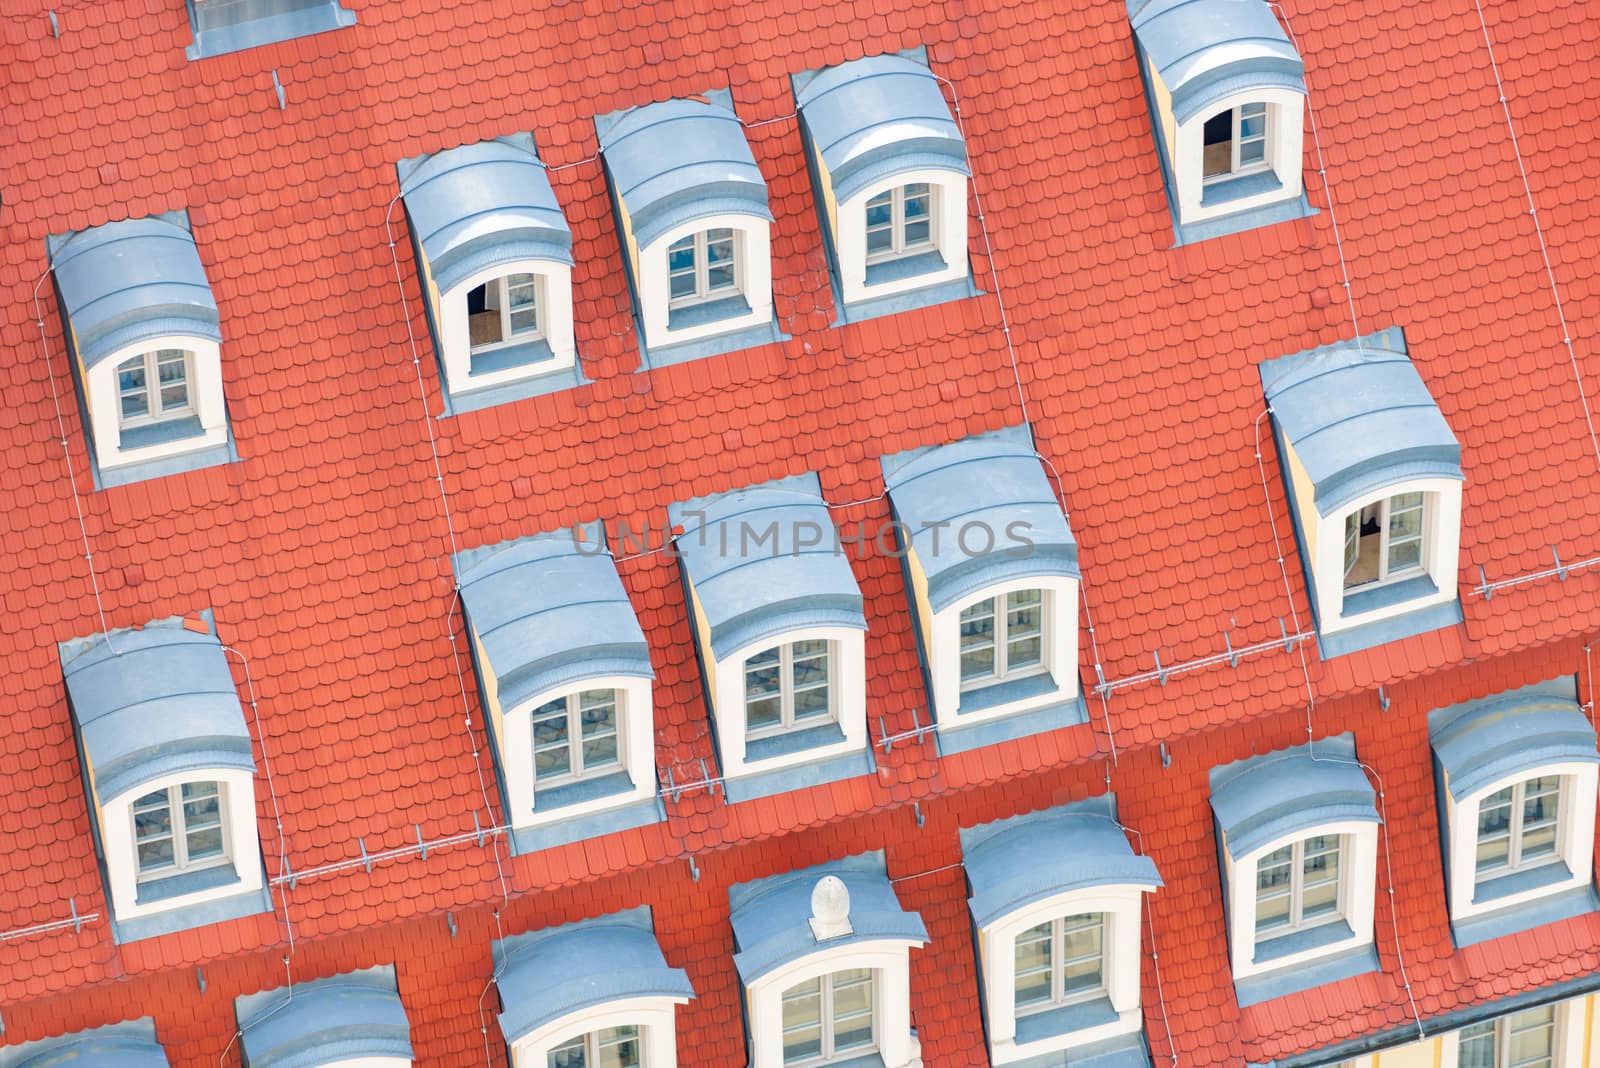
{"x": 324, "y": 552}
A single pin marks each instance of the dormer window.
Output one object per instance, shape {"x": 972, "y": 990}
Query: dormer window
{"x": 567, "y": 683}
{"x": 223, "y": 26}
{"x": 1373, "y": 478}
{"x": 143, "y": 330}
{"x": 1060, "y": 962}
{"x": 1518, "y": 828}
{"x": 130, "y": 1044}
{"x": 890, "y": 181}
{"x": 494, "y": 253}
{"x": 170, "y": 776}
{"x": 1297, "y": 886}
{"x": 993, "y": 572}
{"x": 780, "y": 632}
{"x": 695, "y": 228}
{"x": 352, "y": 1020}
{"x": 1226, "y": 91}
{"x": 608, "y": 1046}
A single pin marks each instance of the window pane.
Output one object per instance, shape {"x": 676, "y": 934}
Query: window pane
{"x": 205, "y": 843}
{"x": 812, "y": 703}
{"x": 977, "y": 640}
{"x": 599, "y": 752}
{"x": 619, "y": 1047}
{"x": 719, "y": 246}
{"x": 766, "y": 712}
{"x": 155, "y": 822}
{"x": 852, "y": 1009}
{"x": 1532, "y": 1036}
{"x": 917, "y": 198}
{"x": 1081, "y": 976}
{"x": 201, "y": 813}
{"x": 1477, "y": 1046}
{"x": 917, "y": 233}
{"x": 551, "y": 730}
{"x": 1252, "y": 152}
{"x": 719, "y": 278}
{"x": 567, "y": 1055}
{"x": 1404, "y": 523}
{"x": 156, "y": 853}
{"x": 1033, "y": 957}
{"x": 802, "y": 1021}
{"x": 549, "y": 762}
{"x": 1404, "y": 555}
{"x": 1493, "y": 853}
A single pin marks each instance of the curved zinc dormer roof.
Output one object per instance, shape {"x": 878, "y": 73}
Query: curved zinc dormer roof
{"x": 549, "y": 610}
{"x": 1016, "y": 862}
{"x": 153, "y": 702}
{"x": 1291, "y": 791}
{"x": 545, "y": 975}
{"x": 349, "y": 1017}
{"x": 132, "y": 281}
{"x": 990, "y": 481}
{"x": 874, "y": 118}
{"x": 1206, "y": 50}
{"x": 131, "y": 1044}
{"x": 1488, "y": 740}
{"x": 1359, "y": 418}
{"x": 677, "y": 161}
{"x": 762, "y": 561}
{"x": 482, "y": 206}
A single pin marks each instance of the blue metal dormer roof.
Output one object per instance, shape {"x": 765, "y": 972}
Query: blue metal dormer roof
{"x": 132, "y": 281}
{"x": 151, "y": 702}
{"x": 1288, "y": 792}
{"x": 547, "y": 974}
{"x": 131, "y": 1044}
{"x": 341, "y": 1018}
{"x": 1206, "y": 50}
{"x": 1359, "y": 418}
{"x": 873, "y": 118}
{"x": 549, "y": 610}
{"x": 1013, "y": 863}
{"x": 481, "y": 206}
{"x": 1481, "y": 742}
{"x": 772, "y": 916}
{"x": 753, "y": 577}
{"x": 992, "y": 480}
{"x": 680, "y": 160}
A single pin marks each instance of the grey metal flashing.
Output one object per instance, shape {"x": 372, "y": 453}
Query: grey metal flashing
{"x": 910, "y": 300}
{"x": 676, "y": 161}
{"x": 162, "y": 702}
{"x": 130, "y": 1044}
{"x": 1206, "y": 50}
{"x": 550, "y": 973}
{"x": 1016, "y": 862}
{"x": 1479, "y": 742}
{"x": 755, "y": 569}
{"x": 1289, "y": 791}
{"x": 747, "y": 337}
{"x": 1065, "y": 1019}
{"x": 994, "y": 481}
{"x": 135, "y": 280}
{"x": 961, "y": 737}
{"x": 481, "y": 206}
{"x": 199, "y": 459}
{"x": 1537, "y": 913}
{"x": 569, "y": 829}
{"x": 550, "y": 611}
{"x": 798, "y": 776}
{"x": 1294, "y": 979}
{"x": 1359, "y": 418}
{"x": 1121, "y": 1051}
{"x": 1393, "y": 629}
{"x": 187, "y": 917}
{"x": 343, "y": 1017}
{"x": 874, "y": 118}
{"x": 223, "y": 26}
{"x": 538, "y": 384}
{"x": 771, "y": 916}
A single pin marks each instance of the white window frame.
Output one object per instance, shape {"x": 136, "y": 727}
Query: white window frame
{"x": 593, "y": 1044}
{"x": 898, "y": 246}
{"x": 1574, "y": 839}
{"x": 103, "y": 398}
{"x": 1000, "y": 612}
{"x": 178, "y": 824}
{"x": 554, "y": 282}
{"x": 827, "y": 1025}
{"x": 1121, "y": 908}
{"x": 241, "y": 843}
{"x": 1296, "y": 893}
{"x": 1185, "y": 143}
{"x": 1567, "y": 1041}
{"x": 701, "y": 268}
{"x": 948, "y": 230}
{"x": 888, "y": 959}
{"x": 1057, "y": 937}
{"x": 752, "y": 236}
{"x": 1516, "y": 831}
{"x": 943, "y": 641}
{"x": 847, "y": 694}
{"x": 155, "y": 410}
{"x": 577, "y": 767}
{"x": 508, "y": 337}
{"x": 1357, "y": 884}
{"x": 653, "y": 1016}
{"x": 1236, "y": 168}
{"x": 1385, "y": 541}
{"x": 786, "y": 693}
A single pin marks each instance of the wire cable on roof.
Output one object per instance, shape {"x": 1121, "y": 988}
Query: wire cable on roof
{"x": 272, "y": 791}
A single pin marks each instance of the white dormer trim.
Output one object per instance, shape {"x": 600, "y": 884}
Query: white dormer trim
{"x": 753, "y": 266}
{"x": 849, "y": 651}
{"x": 1060, "y": 616}
{"x": 1285, "y": 147}
{"x": 103, "y": 402}
{"x": 949, "y": 235}
{"x": 653, "y": 1016}
{"x": 890, "y": 964}
{"x": 243, "y": 846}
{"x": 1120, "y": 905}
{"x": 555, "y": 319}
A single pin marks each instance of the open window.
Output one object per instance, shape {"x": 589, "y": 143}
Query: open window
{"x": 993, "y": 571}
{"x": 1226, "y": 92}
{"x": 593, "y": 994}
{"x": 1056, "y": 899}
{"x": 1297, "y": 832}
{"x": 566, "y": 681}
{"x": 695, "y": 228}
{"x": 223, "y": 26}
{"x": 823, "y": 956}
{"x": 889, "y": 172}
{"x": 353, "y": 1020}
{"x": 143, "y": 332}
{"x": 494, "y": 253}
{"x": 781, "y": 635}
{"x": 169, "y": 773}
{"x": 1373, "y": 476}
{"x": 1517, "y": 775}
